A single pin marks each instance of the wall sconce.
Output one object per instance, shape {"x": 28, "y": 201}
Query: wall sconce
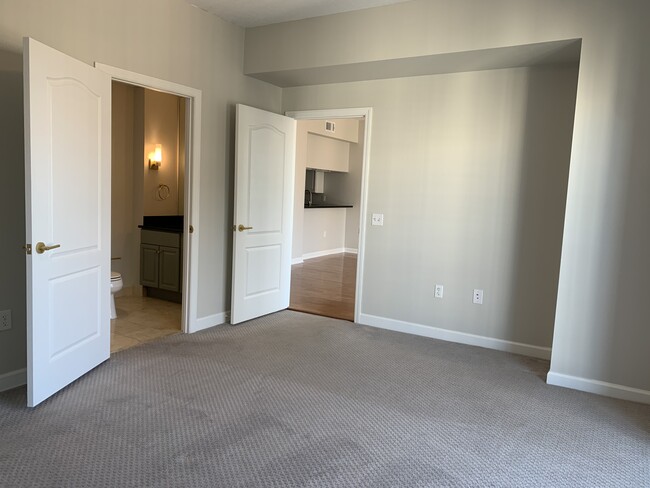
{"x": 156, "y": 158}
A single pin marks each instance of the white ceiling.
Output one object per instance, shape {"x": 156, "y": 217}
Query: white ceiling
{"x": 253, "y": 13}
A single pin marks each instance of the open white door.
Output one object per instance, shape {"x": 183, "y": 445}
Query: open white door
{"x": 67, "y": 181}
{"x": 264, "y": 178}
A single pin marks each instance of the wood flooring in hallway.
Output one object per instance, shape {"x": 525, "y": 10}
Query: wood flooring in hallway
{"x": 325, "y": 286}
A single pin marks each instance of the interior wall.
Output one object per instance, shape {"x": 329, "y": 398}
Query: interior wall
{"x": 601, "y": 328}
{"x": 200, "y": 51}
{"x": 12, "y": 213}
{"x": 470, "y": 172}
{"x": 323, "y": 231}
{"x": 161, "y": 126}
{"x": 346, "y": 188}
{"x": 124, "y": 220}
{"x": 299, "y": 191}
{"x": 182, "y": 148}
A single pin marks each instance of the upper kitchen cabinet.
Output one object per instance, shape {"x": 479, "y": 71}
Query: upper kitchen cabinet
{"x": 327, "y": 154}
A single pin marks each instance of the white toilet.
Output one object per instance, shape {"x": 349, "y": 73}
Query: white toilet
{"x": 116, "y": 285}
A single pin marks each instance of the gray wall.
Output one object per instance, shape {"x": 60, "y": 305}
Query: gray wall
{"x": 188, "y": 46}
{"x": 601, "y": 331}
{"x": 12, "y": 212}
{"x": 470, "y": 172}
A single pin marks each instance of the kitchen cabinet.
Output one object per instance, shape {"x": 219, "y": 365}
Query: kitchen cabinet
{"x": 160, "y": 260}
{"x": 327, "y": 154}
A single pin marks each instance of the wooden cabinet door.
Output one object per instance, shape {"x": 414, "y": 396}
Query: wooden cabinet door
{"x": 169, "y": 270}
{"x": 149, "y": 265}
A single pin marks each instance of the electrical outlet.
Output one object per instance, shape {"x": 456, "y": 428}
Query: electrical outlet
{"x": 377, "y": 219}
{"x": 5, "y": 320}
{"x": 439, "y": 291}
{"x": 478, "y": 297}
{"x": 324, "y": 233}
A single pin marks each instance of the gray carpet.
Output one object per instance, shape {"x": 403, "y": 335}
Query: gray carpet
{"x": 298, "y": 400}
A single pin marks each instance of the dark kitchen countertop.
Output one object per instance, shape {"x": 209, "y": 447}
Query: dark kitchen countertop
{"x": 163, "y": 223}
{"x": 328, "y": 205}
{"x": 160, "y": 229}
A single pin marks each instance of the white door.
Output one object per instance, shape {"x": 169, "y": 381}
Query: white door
{"x": 264, "y": 179}
{"x": 67, "y": 181}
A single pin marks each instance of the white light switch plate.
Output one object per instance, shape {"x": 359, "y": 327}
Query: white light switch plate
{"x": 377, "y": 219}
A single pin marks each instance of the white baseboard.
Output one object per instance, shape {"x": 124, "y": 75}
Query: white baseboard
{"x": 210, "y": 321}
{"x": 598, "y": 387}
{"x": 318, "y": 254}
{"x": 453, "y": 336}
{"x": 13, "y": 379}
{"x": 327, "y": 252}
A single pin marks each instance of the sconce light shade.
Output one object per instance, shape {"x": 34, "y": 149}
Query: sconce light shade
{"x": 156, "y": 159}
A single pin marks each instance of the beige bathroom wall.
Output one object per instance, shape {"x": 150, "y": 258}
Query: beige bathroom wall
{"x": 124, "y": 230}
{"x": 161, "y": 126}
{"x": 198, "y": 50}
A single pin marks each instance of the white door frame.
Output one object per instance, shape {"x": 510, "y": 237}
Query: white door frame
{"x": 192, "y": 182}
{"x": 348, "y": 113}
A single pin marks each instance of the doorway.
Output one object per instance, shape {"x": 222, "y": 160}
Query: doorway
{"x": 147, "y": 212}
{"x": 329, "y": 211}
{"x": 185, "y": 246}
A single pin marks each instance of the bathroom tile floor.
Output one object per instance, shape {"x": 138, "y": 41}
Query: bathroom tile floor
{"x": 143, "y": 319}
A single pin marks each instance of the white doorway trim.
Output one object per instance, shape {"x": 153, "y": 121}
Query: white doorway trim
{"x": 348, "y": 113}
{"x": 190, "y": 320}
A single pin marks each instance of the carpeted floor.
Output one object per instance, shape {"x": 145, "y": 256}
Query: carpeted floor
{"x": 298, "y": 400}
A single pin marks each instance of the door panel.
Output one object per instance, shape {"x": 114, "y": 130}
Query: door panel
{"x": 149, "y": 265}
{"x": 170, "y": 268}
{"x": 67, "y": 181}
{"x": 266, "y": 173}
{"x": 264, "y": 180}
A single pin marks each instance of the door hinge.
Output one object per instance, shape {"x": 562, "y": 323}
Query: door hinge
{"x": 27, "y": 248}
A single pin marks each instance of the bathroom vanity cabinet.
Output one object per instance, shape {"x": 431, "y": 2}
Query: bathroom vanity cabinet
{"x": 160, "y": 259}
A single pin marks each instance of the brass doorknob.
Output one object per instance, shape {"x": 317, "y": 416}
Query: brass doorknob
{"x": 242, "y": 228}
{"x": 41, "y": 247}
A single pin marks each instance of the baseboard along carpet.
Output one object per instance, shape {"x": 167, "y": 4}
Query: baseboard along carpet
{"x": 295, "y": 400}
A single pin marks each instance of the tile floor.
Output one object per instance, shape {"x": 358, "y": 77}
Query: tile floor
{"x": 143, "y": 319}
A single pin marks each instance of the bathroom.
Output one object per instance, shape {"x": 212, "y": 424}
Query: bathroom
{"x": 147, "y": 208}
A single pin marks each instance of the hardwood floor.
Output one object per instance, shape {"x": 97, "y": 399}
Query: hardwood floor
{"x": 325, "y": 286}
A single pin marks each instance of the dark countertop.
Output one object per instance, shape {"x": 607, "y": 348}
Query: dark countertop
{"x": 163, "y": 223}
{"x": 328, "y": 205}
{"x": 160, "y": 229}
